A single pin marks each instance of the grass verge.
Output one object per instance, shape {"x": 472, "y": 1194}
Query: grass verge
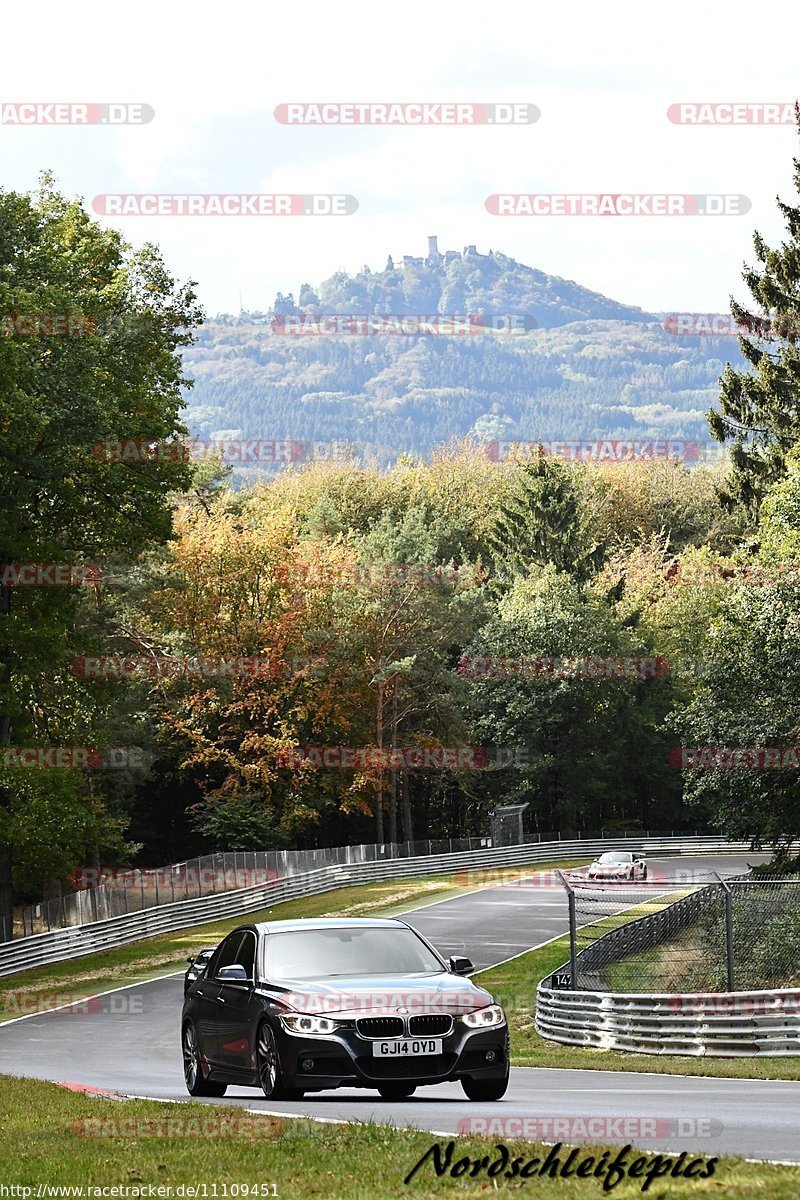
{"x": 50, "y": 1136}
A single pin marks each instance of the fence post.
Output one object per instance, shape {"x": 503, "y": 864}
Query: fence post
{"x": 573, "y": 953}
{"x": 728, "y": 931}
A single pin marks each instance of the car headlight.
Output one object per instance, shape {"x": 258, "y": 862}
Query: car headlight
{"x": 299, "y": 1023}
{"x": 484, "y": 1018}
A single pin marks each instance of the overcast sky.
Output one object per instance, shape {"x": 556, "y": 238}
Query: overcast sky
{"x": 603, "y": 77}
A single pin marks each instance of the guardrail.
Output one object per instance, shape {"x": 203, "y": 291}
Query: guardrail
{"x": 720, "y": 1025}
{"x": 43, "y": 948}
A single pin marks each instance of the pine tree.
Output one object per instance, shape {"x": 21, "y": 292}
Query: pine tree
{"x": 540, "y": 521}
{"x": 760, "y": 405}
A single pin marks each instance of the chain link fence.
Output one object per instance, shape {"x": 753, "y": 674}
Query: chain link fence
{"x": 692, "y": 932}
{"x": 119, "y": 891}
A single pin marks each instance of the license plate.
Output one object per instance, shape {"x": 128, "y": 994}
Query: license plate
{"x": 401, "y": 1047}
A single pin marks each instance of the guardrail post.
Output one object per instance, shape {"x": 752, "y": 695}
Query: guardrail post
{"x": 728, "y": 931}
{"x": 573, "y": 952}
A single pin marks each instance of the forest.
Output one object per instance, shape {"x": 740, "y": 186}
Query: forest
{"x": 355, "y": 650}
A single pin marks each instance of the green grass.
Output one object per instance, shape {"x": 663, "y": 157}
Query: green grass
{"x": 151, "y": 958}
{"x": 43, "y": 1140}
{"x": 514, "y": 985}
{"x": 680, "y": 965}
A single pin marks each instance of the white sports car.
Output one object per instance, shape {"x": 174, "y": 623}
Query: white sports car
{"x": 618, "y": 865}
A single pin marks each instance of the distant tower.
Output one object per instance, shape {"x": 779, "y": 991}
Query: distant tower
{"x": 433, "y": 247}
{"x": 390, "y": 263}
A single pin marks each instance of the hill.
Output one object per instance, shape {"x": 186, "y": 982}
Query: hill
{"x": 590, "y": 367}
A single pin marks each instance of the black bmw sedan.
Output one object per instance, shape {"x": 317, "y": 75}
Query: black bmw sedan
{"x": 302, "y": 1006}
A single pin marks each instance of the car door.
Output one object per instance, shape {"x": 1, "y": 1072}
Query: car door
{"x": 238, "y": 1010}
{"x": 206, "y": 994}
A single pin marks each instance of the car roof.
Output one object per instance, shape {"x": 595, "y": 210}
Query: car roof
{"x": 327, "y": 923}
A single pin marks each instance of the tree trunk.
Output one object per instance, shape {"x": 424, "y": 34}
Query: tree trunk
{"x": 379, "y": 795}
{"x": 408, "y": 825}
{"x": 393, "y": 792}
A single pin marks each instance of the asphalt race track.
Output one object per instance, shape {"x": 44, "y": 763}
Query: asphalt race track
{"x": 127, "y": 1041}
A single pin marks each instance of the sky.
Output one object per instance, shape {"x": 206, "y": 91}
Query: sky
{"x": 602, "y": 77}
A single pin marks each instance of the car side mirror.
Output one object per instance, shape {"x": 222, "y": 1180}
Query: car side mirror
{"x": 234, "y": 972}
{"x": 190, "y": 961}
{"x": 460, "y": 965}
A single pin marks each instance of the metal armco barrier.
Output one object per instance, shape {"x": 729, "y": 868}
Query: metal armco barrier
{"x": 722, "y": 1025}
{"x": 42, "y": 948}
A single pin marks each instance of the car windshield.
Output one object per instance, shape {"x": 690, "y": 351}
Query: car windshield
{"x": 615, "y": 856}
{"x": 313, "y": 953}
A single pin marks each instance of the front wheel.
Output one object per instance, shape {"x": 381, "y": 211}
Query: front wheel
{"x": 397, "y": 1091}
{"x": 485, "y": 1089}
{"x": 269, "y": 1069}
{"x": 196, "y": 1083}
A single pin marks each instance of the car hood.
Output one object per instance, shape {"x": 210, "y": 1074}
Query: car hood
{"x": 381, "y": 995}
{"x": 609, "y": 868}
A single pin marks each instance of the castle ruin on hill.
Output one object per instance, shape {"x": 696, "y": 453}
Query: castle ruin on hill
{"x": 435, "y": 256}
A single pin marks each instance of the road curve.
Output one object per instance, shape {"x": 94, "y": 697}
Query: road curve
{"x": 127, "y": 1041}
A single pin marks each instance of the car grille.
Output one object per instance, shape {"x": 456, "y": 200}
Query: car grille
{"x": 430, "y": 1025}
{"x": 425, "y": 1066}
{"x": 380, "y": 1027}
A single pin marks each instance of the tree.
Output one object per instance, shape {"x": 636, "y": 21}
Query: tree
{"x": 395, "y": 614}
{"x": 590, "y": 743}
{"x": 760, "y": 407}
{"x": 541, "y": 520}
{"x": 117, "y": 376}
{"x": 748, "y": 700}
{"x": 746, "y": 696}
